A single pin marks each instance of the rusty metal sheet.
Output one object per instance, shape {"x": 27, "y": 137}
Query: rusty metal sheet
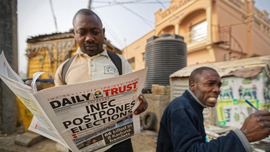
{"x": 247, "y": 73}
{"x": 228, "y": 68}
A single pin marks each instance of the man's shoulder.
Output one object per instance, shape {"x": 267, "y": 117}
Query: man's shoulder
{"x": 59, "y": 69}
{"x": 177, "y": 106}
{"x": 121, "y": 57}
{"x": 125, "y": 65}
{"x": 181, "y": 100}
{"x": 58, "y": 74}
{"x": 178, "y": 103}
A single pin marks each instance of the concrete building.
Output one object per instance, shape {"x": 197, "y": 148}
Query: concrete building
{"x": 214, "y": 30}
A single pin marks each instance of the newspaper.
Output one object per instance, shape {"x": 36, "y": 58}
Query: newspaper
{"x": 86, "y": 116}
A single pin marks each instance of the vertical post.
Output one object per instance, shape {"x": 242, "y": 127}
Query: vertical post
{"x": 8, "y": 44}
{"x": 230, "y": 29}
{"x": 176, "y": 29}
{"x": 28, "y": 47}
{"x": 125, "y": 50}
{"x": 250, "y": 10}
{"x": 89, "y": 4}
{"x": 209, "y": 24}
{"x": 219, "y": 33}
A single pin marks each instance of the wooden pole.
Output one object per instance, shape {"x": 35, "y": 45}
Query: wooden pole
{"x": 89, "y": 4}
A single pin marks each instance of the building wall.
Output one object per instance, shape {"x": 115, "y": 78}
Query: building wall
{"x": 48, "y": 56}
{"x": 169, "y": 29}
{"x": 254, "y": 32}
{"x": 235, "y": 29}
{"x": 157, "y": 105}
{"x": 214, "y": 21}
{"x": 168, "y": 24}
{"x": 231, "y": 17}
{"x": 136, "y": 50}
{"x": 190, "y": 20}
{"x": 260, "y": 41}
{"x": 198, "y": 57}
{"x": 259, "y": 31}
{"x": 221, "y": 54}
{"x": 174, "y": 17}
{"x": 41, "y": 62}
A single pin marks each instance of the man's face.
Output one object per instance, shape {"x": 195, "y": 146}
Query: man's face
{"x": 207, "y": 87}
{"x": 89, "y": 34}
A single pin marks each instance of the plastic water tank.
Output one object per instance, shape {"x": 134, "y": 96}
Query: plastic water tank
{"x": 163, "y": 56}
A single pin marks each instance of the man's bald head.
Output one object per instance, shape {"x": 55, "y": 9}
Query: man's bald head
{"x": 88, "y": 32}
{"x": 205, "y": 83}
{"x": 197, "y": 73}
{"x": 85, "y": 12}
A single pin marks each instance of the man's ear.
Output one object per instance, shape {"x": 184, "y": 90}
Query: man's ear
{"x": 192, "y": 86}
{"x": 103, "y": 32}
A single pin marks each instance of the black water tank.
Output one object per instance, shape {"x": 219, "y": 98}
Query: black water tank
{"x": 163, "y": 56}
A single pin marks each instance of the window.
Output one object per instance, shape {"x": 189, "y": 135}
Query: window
{"x": 143, "y": 57}
{"x": 199, "y": 32}
{"x": 131, "y": 61}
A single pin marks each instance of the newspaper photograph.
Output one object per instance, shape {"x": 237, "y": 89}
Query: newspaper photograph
{"x": 85, "y": 116}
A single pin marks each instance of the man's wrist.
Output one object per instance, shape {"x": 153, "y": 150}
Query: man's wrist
{"x": 244, "y": 140}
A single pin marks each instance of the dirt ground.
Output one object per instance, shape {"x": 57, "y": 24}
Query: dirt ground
{"x": 146, "y": 141}
{"x": 142, "y": 142}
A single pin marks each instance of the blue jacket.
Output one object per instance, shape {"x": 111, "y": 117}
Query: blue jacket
{"x": 182, "y": 130}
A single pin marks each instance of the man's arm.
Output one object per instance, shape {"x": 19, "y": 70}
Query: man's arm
{"x": 143, "y": 103}
{"x": 58, "y": 77}
{"x": 183, "y": 130}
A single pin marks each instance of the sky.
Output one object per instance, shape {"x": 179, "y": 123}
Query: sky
{"x": 123, "y": 23}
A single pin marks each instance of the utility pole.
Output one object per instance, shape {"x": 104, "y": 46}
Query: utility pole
{"x": 89, "y": 4}
{"x": 54, "y": 18}
{"x": 125, "y": 53}
{"x": 8, "y": 44}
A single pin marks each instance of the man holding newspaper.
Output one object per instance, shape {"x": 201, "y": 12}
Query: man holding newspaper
{"x": 92, "y": 61}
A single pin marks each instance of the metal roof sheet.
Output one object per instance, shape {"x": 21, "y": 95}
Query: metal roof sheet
{"x": 64, "y": 35}
{"x": 228, "y": 68}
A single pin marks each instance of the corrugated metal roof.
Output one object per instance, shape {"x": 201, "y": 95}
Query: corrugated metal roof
{"x": 52, "y": 36}
{"x": 228, "y": 67}
{"x": 59, "y": 35}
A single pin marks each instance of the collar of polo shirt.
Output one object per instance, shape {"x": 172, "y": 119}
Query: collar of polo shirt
{"x": 103, "y": 53}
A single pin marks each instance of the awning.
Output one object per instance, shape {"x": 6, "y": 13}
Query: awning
{"x": 246, "y": 68}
